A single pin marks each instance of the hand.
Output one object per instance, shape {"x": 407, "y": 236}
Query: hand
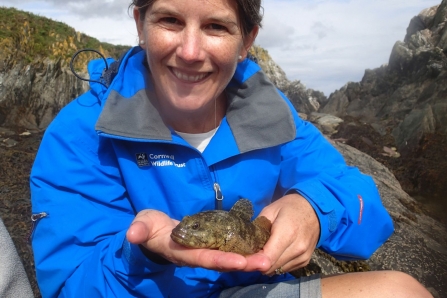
{"x": 294, "y": 236}
{"x": 152, "y": 229}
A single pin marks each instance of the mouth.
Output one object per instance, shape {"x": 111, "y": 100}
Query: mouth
{"x": 180, "y": 239}
{"x": 176, "y": 238}
{"x": 187, "y": 77}
{"x": 178, "y": 235}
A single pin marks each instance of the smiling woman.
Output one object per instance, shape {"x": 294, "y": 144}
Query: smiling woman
{"x": 192, "y": 51}
{"x": 185, "y": 123}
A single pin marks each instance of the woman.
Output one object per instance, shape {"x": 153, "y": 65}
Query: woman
{"x": 188, "y": 124}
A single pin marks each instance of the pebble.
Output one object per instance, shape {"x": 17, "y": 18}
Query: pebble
{"x": 9, "y": 142}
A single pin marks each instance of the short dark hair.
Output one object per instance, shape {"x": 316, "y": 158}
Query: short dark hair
{"x": 250, "y": 12}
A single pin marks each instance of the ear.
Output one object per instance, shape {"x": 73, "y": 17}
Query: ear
{"x": 140, "y": 25}
{"x": 248, "y": 41}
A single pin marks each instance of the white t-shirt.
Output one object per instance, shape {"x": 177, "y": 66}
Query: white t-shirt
{"x": 198, "y": 140}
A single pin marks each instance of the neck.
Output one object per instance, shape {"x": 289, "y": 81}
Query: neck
{"x": 197, "y": 121}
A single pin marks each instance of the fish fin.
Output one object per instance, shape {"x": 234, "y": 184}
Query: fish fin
{"x": 243, "y": 208}
{"x": 263, "y": 222}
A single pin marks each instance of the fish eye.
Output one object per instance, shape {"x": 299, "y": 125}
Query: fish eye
{"x": 195, "y": 226}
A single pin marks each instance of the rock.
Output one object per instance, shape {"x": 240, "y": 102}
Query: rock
{"x": 419, "y": 244}
{"x": 411, "y": 130}
{"x": 32, "y": 94}
{"x": 326, "y": 123}
{"x": 304, "y": 100}
{"x": 6, "y": 132}
{"x": 391, "y": 152}
{"x": 406, "y": 100}
{"x": 9, "y": 142}
{"x": 275, "y": 73}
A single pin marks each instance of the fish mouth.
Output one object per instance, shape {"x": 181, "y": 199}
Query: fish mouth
{"x": 178, "y": 236}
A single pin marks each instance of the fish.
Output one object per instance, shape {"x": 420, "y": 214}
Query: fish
{"x": 229, "y": 231}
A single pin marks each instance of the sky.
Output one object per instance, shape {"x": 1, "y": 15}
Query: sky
{"x": 322, "y": 43}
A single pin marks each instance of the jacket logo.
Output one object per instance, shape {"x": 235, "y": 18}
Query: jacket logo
{"x": 157, "y": 160}
{"x": 142, "y": 159}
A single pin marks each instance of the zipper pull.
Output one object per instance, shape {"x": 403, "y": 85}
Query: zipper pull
{"x": 219, "y": 196}
{"x": 34, "y": 219}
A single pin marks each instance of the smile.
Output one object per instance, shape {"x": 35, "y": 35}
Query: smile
{"x": 188, "y": 77}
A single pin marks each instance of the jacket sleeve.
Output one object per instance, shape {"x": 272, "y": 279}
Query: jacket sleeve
{"x": 353, "y": 221}
{"x": 80, "y": 247}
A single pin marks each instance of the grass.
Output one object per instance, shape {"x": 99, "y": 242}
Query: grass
{"x": 28, "y": 37}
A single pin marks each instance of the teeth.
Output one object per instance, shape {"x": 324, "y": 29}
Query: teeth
{"x": 189, "y": 78}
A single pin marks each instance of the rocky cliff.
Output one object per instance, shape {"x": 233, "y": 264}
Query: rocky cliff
{"x": 32, "y": 94}
{"x": 305, "y": 100}
{"x": 35, "y": 79}
{"x": 406, "y": 101}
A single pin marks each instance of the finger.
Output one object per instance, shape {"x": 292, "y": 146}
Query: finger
{"x": 258, "y": 262}
{"x": 207, "y": 258}
{"x": 294, "y": 257}
{"x": 140, "y": 231}
{"x": 279, "y": 241}
{"x": 137, "y": 233}
{"x": 291, "y": 265}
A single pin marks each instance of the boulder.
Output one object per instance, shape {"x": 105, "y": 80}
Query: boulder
{"x": 418, "y": 245}
{"x": 327, "y": 124}
{"x": 32, "y": 94}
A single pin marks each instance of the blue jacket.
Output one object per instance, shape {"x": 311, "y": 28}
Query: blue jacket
{"x": 108, "y": 155}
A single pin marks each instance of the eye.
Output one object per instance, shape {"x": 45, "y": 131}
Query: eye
{"x": 217, "y": 27}
{"x": 195, "y": 226}
{"x": 169, "y": 20}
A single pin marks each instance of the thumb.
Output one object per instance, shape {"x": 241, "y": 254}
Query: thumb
{"x": 138, "y": 233}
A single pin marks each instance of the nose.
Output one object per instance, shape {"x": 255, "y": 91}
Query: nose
{"x": 191, "y": 45}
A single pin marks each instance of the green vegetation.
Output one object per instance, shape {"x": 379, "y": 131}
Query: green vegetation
{"x": 28, "y": 37}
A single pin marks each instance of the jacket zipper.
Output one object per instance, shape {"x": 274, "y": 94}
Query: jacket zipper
{"x": 34, "y": 220}
{"x": 218, "y": 196}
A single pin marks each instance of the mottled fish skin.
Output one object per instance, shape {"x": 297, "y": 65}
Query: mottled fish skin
{"x": 227, "y": 231}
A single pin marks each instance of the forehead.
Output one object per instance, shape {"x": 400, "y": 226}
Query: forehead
{"x": 216, "y": 7}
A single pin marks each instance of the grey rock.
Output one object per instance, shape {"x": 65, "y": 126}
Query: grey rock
{"x": 31, "y": 95}
{"x": 273, "y": 71}
{"x": 303, "y": 99}
{"x": 328, "y": 124}
{"x": 9, "y": 142}
{"x": 419, "y": 244}
{"x": 407, "y": 98}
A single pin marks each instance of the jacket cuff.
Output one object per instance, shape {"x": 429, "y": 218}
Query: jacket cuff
{"x": 326, "y": 206}
{"x": 135, "y": 256}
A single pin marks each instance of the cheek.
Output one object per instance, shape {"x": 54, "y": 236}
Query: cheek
{"x": 158, "y": 42}
{"x": 227, "y": 53}
{"x": 229, "y": 46}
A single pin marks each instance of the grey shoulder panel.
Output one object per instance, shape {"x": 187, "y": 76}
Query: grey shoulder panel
{"x": 258, "y": 115}
{"x": 133, "y": 117}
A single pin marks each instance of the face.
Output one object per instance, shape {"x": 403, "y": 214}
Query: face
{"x": 192, "y": 48}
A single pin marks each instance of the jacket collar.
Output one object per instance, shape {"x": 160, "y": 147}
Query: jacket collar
{"x": 257, "y": 116}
